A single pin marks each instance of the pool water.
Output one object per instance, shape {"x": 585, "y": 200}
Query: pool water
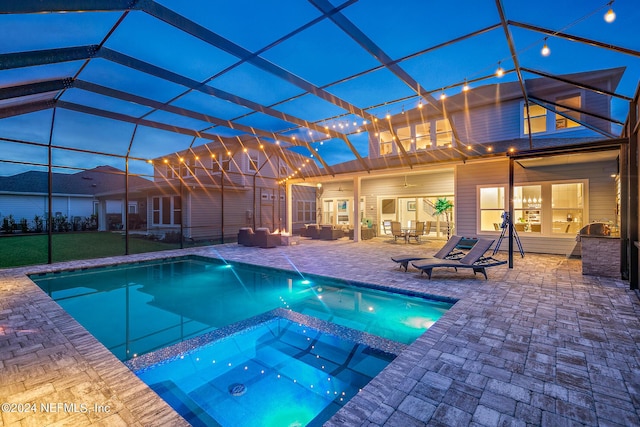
{"x": 137, "y": 308}
{"x": 279, "y": 374}
{"x": 239, "y": 345}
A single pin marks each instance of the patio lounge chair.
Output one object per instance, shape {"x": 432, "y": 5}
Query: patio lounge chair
{"x": 446, "y": 252}
{"x": 475, "y": 259}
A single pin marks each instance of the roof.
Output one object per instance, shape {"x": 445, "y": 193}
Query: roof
{"x": 90, "y": 182}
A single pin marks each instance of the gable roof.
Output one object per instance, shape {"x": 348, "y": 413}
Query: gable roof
{"x": 89, "y": 182}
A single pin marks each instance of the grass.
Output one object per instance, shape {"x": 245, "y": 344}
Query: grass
{"x": 20, "y": 250}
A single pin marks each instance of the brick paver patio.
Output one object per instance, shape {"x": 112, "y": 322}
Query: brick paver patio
{"x": 539, "y": 344}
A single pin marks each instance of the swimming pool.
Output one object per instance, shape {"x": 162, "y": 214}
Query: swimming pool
{"x": 159, "y": 313}
{"x": 137, "y": 308}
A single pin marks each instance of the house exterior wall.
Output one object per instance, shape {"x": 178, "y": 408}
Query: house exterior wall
{"x": 28, "y": 206}
{"x": 600, "y": 203}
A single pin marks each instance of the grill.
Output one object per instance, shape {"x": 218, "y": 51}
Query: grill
{"x": 595, "y": 229}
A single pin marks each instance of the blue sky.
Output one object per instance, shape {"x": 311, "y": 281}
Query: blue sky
{"x": 297, "y": 46}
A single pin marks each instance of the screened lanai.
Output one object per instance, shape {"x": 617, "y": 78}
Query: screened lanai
{"x": 176, "y": 123}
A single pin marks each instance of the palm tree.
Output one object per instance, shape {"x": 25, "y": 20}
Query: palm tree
{"x": 444, "y": 206}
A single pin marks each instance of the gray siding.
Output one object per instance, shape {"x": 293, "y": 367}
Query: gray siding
{"x": 487, "y": 124}
{"x": 600, "y": 200}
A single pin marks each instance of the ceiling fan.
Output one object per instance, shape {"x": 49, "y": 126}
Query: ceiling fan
{"x": 406, "y": 184}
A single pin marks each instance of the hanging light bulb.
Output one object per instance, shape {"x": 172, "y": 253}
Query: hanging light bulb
{"x": 465, "y": 87}
{"x": 499, "y": 71}
{"x": 610, "y": 16}
{"x": 442, "y": 96}
{"x": 420, "y": 104}
{"x": 545, "y": 49}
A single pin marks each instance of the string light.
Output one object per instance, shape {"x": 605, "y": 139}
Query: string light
{"x": 443, "y": 96}
{"x": 499, "y": 71}
{"x": 610, "y": 16}
{"x": 545, "y": 49}
{"x": 465, "y": 87}
{"x": 420, "y": 104}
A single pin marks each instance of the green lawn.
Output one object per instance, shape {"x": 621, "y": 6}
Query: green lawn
{"x": 28, "y": 249}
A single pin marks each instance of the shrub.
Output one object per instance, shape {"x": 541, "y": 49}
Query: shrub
{"x": 8, "y": 224}
{"x": 38, "y": 224}
{"x": 172, "y": 237}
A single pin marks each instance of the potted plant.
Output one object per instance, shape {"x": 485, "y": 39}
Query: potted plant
{"x": 444, "y": 206}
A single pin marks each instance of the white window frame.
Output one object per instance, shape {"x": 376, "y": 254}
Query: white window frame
{"x": 546, "y": 207}
{"x": 173, "y": 211}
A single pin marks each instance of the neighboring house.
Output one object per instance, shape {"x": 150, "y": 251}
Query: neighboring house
{"x": 25, "y": 195}
{"x": 210, "y": 191}
{"x": 553, "y": 196}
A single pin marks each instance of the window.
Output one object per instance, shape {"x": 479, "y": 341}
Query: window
{"x": 492, "y": 206}
{"x": 166, "y": 210}
{"x": 423, "y": 136}
{"x": 444, "y": 136}
{"x": 538, "y": 118}
{"x": 170, "y": 172}
{"x": 254, "y": 158}
{"x": 527, "y": 208}
{"x": 328, "y": 212}
{"x": 567, "y": 201}
{"x": 306, "y": 211}
{"x": 386, "y": 143}
{"x": 404, "y": 135}
{"x": 568, "y": 105}
{"x": 187, "y": 168}
{"x": 220, "y": 162}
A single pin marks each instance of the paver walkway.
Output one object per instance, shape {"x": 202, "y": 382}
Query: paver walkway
{"x": 539, "y": 344}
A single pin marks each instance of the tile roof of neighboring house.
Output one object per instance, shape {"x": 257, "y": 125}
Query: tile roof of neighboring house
{"x": 89, "y": 182}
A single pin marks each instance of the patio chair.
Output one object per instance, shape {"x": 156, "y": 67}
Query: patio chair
{"x": 329, "y": 232}
{"x": 448, "y": 251}
{"x": 264, "y": 239}
{"x": 396, "y": 230}
{"x": 246, "y": 236}
{"x": 311, "y": 230}
{"x": 417, "y": 232}
{"x": 386, "y": 227}
{"x": 474, "y": 259}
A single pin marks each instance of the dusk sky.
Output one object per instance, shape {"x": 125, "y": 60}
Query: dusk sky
{"x": 268, "y": 54}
